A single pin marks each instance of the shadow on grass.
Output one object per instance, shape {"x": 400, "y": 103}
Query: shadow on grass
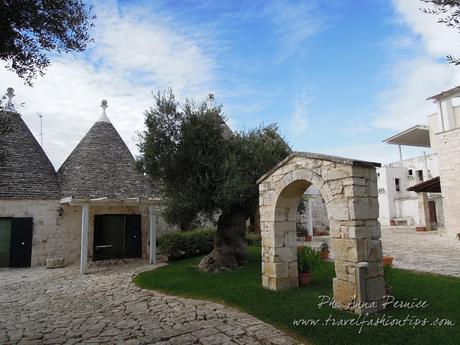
{"x": 242, "y": 289}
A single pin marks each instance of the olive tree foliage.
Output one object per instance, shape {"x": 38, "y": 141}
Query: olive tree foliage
{"x": 448, "y": 13}
{"x": 206, "y": 169}
{"x": 30, "y": 29}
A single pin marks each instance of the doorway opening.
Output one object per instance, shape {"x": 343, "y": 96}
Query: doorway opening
{"x": 16, "y": 242}
{"x": 117, "y": 236}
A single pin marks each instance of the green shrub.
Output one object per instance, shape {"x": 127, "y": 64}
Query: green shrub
{"x": 180, "y": 245}
{"x": 307, "y": 259}
{"x": 253, "y": 238}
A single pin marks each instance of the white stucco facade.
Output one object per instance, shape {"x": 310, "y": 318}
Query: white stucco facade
{"x": 401, "y": 205}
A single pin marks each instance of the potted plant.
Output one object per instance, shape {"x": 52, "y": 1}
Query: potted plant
{"x": 307, "y": 261}
{"x": 387, "y": 260}
{"x": 324, "y": 250}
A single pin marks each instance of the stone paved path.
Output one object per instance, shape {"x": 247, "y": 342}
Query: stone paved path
{"x": 421, "y": 251}
{"x": 40, "y": 306}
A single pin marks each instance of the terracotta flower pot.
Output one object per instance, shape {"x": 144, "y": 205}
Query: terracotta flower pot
{"x": 304, "y": 278}
{"x": 324, "y": 255}
{"x": 387, "y": 260}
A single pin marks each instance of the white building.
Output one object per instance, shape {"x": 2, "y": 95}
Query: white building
{"x": 398, "y": 206}
{"x": 410, "y": 189}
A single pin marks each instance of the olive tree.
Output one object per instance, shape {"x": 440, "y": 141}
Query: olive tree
{"x": 204, "y": 168}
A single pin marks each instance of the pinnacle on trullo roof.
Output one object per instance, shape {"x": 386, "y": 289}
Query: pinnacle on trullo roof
{"x": 102, "y": 166}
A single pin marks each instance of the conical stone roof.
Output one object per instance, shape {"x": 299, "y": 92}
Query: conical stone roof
{"x": 25, "y": 170}
{"x": 102, "y": 166}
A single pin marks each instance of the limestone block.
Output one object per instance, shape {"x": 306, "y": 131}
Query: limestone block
{"x": 266, "y": 185}
{"x": 290, "y": 239}
{"x": 374, "y": 269}
{"x": 281, "y": 284}
{"x": 267, "y": 239}
{"x": 335, "y": 186}
{"x": 363, "y": 208}
{"x": 374, "y": 250}
{"x": 349, "y": 249}
{"x": 355, "y": 181}
{"x": 55, "y": 262}
{"x": 343, "y": 268}
{"x": 362, "y": 232}
{"x": 266, "y": 213}
{"x": 344, "y": 292}
{"x": 317, "y": 180}
{"x": 372, "y": 189}
{"x": 284, "y": 226}
{"x": 356, "y": 191}
{"x": 282, "y": 214}
{"x": 267, "y": 226}
{"x": 303, "y": 174}
{"x": 293, "y": 270}
{"x": 276, "y": 270}
{"x": 334, "y": 228}
{"x": 338, "y": 173}
{"x": 265, "y": 281}
{"x": 375, "y": 289}
{"x": 311, "y": 163}
{"x": 285, "y": 254}
{"x": 338, "y": 209}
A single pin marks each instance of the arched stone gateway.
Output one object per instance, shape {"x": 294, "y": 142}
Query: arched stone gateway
{"x": 349, "y": 188}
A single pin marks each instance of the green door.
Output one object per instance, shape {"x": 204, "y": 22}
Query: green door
{"x": 5, "y": 239}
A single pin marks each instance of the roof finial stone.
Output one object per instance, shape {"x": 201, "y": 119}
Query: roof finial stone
{"x": 104, "y": 117}
{"x": 10, "y": 105}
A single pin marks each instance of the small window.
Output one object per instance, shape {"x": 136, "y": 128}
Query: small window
{"x": 410, "y": 172}
{"x": 420, "y": 174}
{"x": 397, "y": 185}
{"x": 378, "y": 174}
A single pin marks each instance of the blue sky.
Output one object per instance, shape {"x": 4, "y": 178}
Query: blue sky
{"x": 338, "y": 76}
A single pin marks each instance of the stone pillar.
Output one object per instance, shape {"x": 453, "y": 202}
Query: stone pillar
{"x": 423, "y": 210}
{"x": 152, "y": 235}
{"x": 84, "y": 239}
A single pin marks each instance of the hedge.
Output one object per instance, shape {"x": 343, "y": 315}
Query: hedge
{"x": 180, "y": 245}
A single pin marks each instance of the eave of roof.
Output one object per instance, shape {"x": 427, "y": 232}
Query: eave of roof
{"x": 430, "y": 186}
{"x": 455, "y": 91}
{"x": 109, "y": 201}
{"x": 418, "y": 136}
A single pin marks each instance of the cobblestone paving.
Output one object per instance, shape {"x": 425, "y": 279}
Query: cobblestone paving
{"x": 40, "y": 306}
{"x": 422, "y": 251}
{"x": 426, "y": 251}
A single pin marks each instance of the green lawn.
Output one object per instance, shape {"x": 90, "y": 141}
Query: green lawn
{"x": 242, "y": 289}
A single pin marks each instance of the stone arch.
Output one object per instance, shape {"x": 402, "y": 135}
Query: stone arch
{"x": 349, "y": 188}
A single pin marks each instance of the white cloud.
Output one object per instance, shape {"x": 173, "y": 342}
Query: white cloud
{"x": 296, "y": 21}
{"x": 134, "y": 53}
{"x": 298, "y": 122}
{"x": 403, "y": 103}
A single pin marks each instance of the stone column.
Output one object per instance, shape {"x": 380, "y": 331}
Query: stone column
{"x": 84, "y": 239}
{"x": 424, "y": 210}
{"x": 359, "y": 282}
{"x": 153, "y": 235}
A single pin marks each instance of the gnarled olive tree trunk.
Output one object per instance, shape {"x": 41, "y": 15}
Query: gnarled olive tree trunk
{"x": 230, "y": 248}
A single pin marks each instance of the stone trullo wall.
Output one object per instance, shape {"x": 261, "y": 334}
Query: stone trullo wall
{"x": 46, "y": 234}
{"x": 349, "y": 189}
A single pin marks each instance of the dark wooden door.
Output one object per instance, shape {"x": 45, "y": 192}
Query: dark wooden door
{"x": 432, "y": 208}
{"x": 21, "y": 242}
{"x": 133, "y": 236}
